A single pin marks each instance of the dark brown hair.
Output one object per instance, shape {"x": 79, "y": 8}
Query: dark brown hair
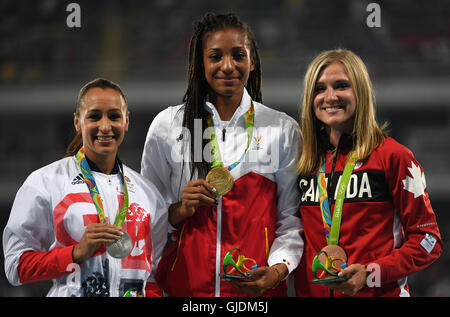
{"x": 197, "y": 86}
{"x": 77, "y": 141}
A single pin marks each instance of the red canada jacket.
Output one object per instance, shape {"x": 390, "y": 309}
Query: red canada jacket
{"x": 387, "y": 220}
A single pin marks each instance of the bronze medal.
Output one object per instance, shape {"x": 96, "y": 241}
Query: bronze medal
{"x": 221, "y": 179}
{"x": 336, "y": 253}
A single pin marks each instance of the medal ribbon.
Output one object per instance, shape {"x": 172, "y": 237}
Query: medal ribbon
{"x": 332, "y": 225}
{"x": 95, "y": 194}
{"x": 249, "y": 124}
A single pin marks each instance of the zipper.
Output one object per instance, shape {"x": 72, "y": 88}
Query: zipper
{"x": 111, "y": 206}
{"x": 223, "y": 134}
{"x": 218, "y": 247}
{"x": 330, "y": 181}
{"x": 114, "y": 283}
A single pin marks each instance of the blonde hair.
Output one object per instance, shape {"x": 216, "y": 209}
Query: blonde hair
{"x": 368, "y": 133}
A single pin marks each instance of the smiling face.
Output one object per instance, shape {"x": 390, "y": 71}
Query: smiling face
{"x": 103, "y": 120}
{"x": 227, "y": 62}
{"x": 334, "y": 99}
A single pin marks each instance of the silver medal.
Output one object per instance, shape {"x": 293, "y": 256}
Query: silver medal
{"x": 120, "y": 248}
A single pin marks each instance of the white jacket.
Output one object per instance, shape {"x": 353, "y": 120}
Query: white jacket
{"x": 272, "y": 154}
{"x": 51, "y": 211}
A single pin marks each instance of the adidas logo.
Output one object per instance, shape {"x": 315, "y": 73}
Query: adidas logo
{"x": 78, "y": 180}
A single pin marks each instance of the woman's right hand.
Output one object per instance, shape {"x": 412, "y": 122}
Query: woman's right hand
{"x": 94, "y": 236}
{"x": 195, "y": 193}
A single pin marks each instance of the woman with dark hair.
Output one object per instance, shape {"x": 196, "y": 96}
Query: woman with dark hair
{"x": 225, "y": 164}
{"x": 88, "y": 222}
{"x": 364, "y": 195}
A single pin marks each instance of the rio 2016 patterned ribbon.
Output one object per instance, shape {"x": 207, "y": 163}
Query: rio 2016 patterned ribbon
{"x": 249, "y": 124}
{"x": 95, "y": 194}
{"x": 332, "y": 224}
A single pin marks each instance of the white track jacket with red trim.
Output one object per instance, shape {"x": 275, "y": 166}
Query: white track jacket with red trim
{"x": 258, "y": 216}
{"x": 49, "y": 216}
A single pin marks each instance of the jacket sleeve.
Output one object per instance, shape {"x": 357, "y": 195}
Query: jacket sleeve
{"x": 153, "y": 290}
{"x": 159, "y": 232}
{"x": 422, "y": 243}
{"x": 155, "y": 164}
{"x": 158, "y": 155}
{"x": 29, "y": 235}
{"x": 37, "y": 266}
{"x": 288, "y": 245}
{"x": 159, "y": 238}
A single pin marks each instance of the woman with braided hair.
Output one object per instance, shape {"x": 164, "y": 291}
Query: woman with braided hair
{"x": 225, "y": 164}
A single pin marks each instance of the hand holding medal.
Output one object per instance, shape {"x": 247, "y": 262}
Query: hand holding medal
{"x": 196, "y": 193}
{"x": 121, "y": 247}
{"x": 221, "y": 179}
{"x": 94, "y": 236}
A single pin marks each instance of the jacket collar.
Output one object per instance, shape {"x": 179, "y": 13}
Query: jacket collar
{"x": 95, "y": 168}
{"x": 243, "y": 107}
{"x": 346, "y": 141}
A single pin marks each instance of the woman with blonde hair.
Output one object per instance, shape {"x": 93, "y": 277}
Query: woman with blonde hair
{"x": 366, "y": 214}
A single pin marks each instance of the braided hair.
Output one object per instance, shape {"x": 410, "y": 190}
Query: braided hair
{"x": 197, "y": 88}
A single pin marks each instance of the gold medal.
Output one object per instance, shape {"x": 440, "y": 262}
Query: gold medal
{"x": 221, "y": 179}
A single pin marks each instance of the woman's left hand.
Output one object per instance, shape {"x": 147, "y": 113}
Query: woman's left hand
{"x": 351, "y": 286}
{"x": 268, "y": 277}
